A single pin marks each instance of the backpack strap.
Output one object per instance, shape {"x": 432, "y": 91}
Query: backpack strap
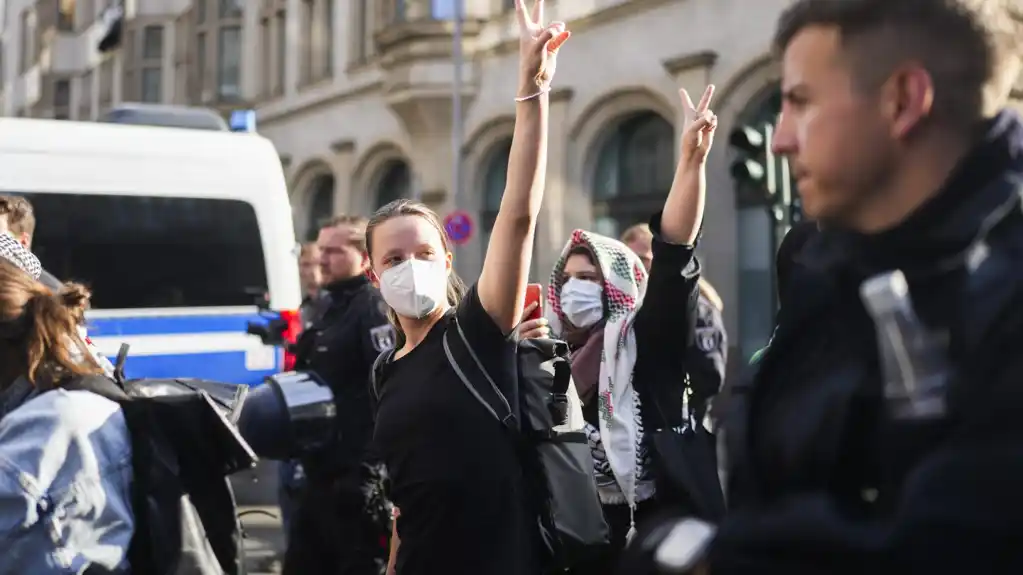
{"x": 98, "y": 384}
{"x": 489, "y": 395}
{"x": 374, "y": 372}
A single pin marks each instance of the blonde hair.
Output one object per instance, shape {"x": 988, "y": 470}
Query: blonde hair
{"x": 707, "y": 291}
{"x": 39, "y": 336}
{"x": 636, "y": 232}
{"x": 397, "y": 208}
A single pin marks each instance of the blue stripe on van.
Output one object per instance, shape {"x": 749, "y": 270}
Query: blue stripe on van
{"x": 227, "y": 367}
{"x": 200, "y": 323}
{"x": 224, "y": 366}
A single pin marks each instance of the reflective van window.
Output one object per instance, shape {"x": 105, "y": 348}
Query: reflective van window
{"x": 145, "y": 252}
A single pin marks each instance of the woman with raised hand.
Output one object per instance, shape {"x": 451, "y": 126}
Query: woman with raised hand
{"x": 627, "y": 330}
{"x": 454, "y": 470}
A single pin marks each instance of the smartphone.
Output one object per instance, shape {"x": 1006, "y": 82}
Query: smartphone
{"x": 534, "y": 293}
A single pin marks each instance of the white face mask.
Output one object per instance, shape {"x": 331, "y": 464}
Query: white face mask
{"x": 414, "y": 288}
{"x": 582, "y": 302}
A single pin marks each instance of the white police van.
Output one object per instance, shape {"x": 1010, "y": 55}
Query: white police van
{"x": 184, "y": 235}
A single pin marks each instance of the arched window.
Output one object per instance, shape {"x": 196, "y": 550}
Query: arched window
{"x": 395, "y": 182}
{"x": 321, "y": 205}
{"x": 633, "y": 173}
{"x": 495, "y": 176}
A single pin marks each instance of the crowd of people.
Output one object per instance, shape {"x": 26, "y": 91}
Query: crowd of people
{"x": 878, "y": 432}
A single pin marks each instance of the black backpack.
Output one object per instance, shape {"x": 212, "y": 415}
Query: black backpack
{"x": 558, "y": 465}
{"x": 183, "y": 448}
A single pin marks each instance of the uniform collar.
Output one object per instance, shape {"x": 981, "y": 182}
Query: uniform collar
{"x": 346, "y": 286}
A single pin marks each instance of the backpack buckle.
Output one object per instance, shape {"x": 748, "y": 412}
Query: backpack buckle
{"x": 510, "y": 421}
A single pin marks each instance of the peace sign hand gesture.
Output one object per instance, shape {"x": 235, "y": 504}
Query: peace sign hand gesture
{"x": 700, "y": 124}
{"x": 538, "y": 48}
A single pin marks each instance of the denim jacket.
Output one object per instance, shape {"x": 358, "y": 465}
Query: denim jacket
{"x": 65, "y": 482}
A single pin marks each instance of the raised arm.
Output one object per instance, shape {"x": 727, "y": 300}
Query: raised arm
{"x": 502, "y": 282}
{"x": 683, "y": 210}
{"x": 666, "y": 321}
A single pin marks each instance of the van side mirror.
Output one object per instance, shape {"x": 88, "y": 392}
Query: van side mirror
{"x": 260, "y": 297}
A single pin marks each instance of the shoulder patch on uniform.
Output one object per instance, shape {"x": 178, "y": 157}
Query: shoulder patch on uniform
{"x": 382, "y": 337}
{"x": 707, "y": 339}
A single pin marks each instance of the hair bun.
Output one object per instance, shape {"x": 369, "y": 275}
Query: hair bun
{"x": 75, "y": 297}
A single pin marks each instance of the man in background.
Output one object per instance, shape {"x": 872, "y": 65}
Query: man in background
{"x": 311, "y": 279}
{"x": 291, "y": 475}
{"x": 342, "y": 521}
{"x": 19, "y": 219}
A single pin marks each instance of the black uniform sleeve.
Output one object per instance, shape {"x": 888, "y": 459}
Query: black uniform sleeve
{"x": 378, "y": 334}
{"x": 958, "y": 511}
{"x": 665, "y": 322}
{"x": 706, "y": 358}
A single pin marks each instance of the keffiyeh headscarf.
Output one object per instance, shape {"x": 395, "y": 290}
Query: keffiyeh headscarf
{"x": 12, "y": 251}
{"x": 620, "y": 422}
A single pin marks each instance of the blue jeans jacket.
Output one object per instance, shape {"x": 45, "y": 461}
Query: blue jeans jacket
{"x": 65, "y": 482}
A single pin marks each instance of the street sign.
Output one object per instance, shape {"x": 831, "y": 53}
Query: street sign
{"x": 459, "y": 226}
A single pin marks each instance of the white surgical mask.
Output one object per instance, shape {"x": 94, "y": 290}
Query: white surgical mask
{"x": 414, "y": 288}
{"x": 582, "y": 302}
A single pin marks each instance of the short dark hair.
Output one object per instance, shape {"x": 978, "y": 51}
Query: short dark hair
{"x": 954, "y": 40}
{"x": 21, "y": 218}
{"x": 359, "y": 223}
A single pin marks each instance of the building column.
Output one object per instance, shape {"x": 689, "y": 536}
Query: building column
{"x": 552, "y": 228}
{"x": 318, "y": 41}
{"x": 342, "y": 164}
{"x": 293, "y": 36}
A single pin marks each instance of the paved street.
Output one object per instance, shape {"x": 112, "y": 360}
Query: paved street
{"x": 256, "y": 492}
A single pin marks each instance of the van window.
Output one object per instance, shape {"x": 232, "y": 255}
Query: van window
{"x": 146, "y": 252}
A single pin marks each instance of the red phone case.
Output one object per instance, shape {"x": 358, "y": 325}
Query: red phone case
{"x": 534, "y": 294}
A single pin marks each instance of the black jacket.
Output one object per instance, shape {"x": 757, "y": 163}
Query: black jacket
{"x": 822, "y": 479}
{"x": 338, "y": 526}
{"x": 340, "y": 346}
{"x": 664, "y": 325}
{"x": 707, "y": 357}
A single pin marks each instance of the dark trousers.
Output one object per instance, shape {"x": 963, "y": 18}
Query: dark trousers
{"x": 289, "y": 491}
{"x": 605, "y": 562}
{"x": 333, "y": 533}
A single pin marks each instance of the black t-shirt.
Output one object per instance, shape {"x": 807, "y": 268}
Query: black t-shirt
{"x": 453, "y": 468}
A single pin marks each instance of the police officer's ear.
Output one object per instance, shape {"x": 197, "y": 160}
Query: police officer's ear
{"x": 373, "y": 277}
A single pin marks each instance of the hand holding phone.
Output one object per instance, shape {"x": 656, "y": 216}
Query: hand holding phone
{"x": 533, "y": 295}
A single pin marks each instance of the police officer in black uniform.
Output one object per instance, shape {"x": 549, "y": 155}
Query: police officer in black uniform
{"x": 882, "y": 430}
{"x": 342, "y": 521}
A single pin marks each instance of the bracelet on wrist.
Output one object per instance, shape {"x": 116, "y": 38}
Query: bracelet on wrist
{"x": 534, "y": 95}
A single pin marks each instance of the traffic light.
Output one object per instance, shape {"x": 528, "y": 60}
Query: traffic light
{"x": 755, "y": 164}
